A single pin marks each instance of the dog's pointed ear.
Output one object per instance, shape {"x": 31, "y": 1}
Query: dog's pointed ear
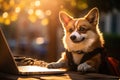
{"x": 93, "y": 16}
{"x": 64, "y": 18}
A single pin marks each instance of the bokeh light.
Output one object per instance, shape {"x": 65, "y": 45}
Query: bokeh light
{"x": 40, "y": 40}
{"x": 39, "y": 13}
{"x": 7, "y": 21}
{"x": 45, "y": 22}
{"x": 12, "y": 10}
{"x": 48, "y": 12}
{"x": 5, "y": 15}
{"x": 30, "y": 11}
{"x": 17, "y": 9}
{"x": 37, "y": 3}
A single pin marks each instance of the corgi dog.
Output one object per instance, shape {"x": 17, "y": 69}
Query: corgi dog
{"x": 81, "y": 37}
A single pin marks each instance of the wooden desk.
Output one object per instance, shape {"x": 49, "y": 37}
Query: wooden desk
{"x": 66, "y": 76}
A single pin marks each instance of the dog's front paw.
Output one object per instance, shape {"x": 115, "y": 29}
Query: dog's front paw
{"x": 84, "y": 67}
{"x": 54, "y": 65}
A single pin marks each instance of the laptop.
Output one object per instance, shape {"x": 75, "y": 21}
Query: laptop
{"x": 8, "y": 65}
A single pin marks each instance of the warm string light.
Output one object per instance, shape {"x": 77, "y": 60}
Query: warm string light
{"x": 33, "y": 10}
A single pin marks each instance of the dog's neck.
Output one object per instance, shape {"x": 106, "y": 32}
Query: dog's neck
{"x": 82, "y": 52}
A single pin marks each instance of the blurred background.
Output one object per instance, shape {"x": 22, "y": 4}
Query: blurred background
{"x": 33, "y": 29}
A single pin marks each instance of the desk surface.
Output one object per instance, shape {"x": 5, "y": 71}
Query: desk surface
{"x": 66, "y": 76}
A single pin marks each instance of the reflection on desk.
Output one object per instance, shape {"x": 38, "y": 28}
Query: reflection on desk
{"x": 66, "y": 76}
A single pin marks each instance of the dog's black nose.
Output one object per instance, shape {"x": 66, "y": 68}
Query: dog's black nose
{"x": 73, "y": 37}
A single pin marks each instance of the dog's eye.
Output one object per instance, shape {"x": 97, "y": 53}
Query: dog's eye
{"x": 70, "y": 30}
{"x": 82, "y": 29}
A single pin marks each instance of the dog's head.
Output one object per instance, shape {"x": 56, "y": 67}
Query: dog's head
{"x": 81, "y": 31}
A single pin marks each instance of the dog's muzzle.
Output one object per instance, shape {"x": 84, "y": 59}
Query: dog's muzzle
{"x": 75, "y": 39}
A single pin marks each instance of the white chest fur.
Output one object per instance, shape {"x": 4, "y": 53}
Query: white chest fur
{"x": 77, "y": 57}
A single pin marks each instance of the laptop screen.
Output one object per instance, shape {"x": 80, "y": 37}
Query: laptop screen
{"x": 7, "y": 64}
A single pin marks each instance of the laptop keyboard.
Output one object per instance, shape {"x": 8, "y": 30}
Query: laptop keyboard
{"x": 23, "y": 61}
